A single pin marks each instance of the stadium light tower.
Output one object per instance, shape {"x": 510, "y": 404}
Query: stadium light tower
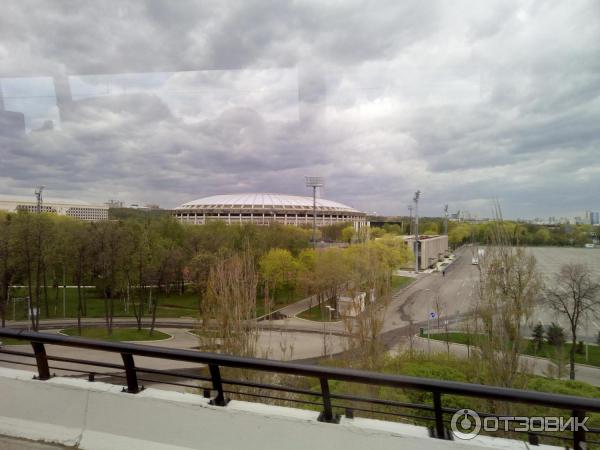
{"x": 416, "y": 200}
{"x": 446, "y": 219}
{"x": 38, "y": 197}
{"x": 314, "y": 183}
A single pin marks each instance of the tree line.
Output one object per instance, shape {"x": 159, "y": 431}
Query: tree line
{"x": 138, "y": 259}
{"x": 521, "y": 233}
{"x": 142, "y": 259}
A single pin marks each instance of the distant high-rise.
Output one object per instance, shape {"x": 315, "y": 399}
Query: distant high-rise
{"x": 592, "y": 218}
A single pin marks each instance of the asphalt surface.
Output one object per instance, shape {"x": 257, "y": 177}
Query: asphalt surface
{"x": 447, "y": 296}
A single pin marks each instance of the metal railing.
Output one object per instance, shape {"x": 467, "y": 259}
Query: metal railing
{"x": 577, "y": 407}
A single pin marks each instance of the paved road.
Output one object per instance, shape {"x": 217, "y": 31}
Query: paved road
{"x": 448, "y": 296}
{"x": 271, "y": 344}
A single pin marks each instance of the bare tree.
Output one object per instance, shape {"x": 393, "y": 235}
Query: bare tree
{"x": 509, "y": 286}
{"x": 230, "y": 307}
{"x": 574, "y": 295}
{"x": 370, "y": 271}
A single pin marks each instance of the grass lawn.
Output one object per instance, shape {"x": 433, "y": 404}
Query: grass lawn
{"x": 118, "y": 334}
{"x": 11, "y": 341}
{"x": 316, "y": 314}
{"x": 399, "y": 282}
{"x": 282, "y": 297}
{"x": 527, "y": 348}
{"x": 175, "y": 305}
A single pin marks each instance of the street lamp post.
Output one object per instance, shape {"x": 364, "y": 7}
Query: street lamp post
{"x": 446, "y": 219}
{"x": 331, "y": 310}
{"x": 314, "y": 183}
{"x": 39, "y": 199}
{"x": 416, "y": 200}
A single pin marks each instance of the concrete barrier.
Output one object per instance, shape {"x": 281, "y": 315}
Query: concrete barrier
{"x": 95, "y": 415}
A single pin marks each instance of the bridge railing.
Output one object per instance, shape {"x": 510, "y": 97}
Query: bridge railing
{"x": 218, "y": 386}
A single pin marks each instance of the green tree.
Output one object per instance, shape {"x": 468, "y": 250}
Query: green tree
{"x": 278, "y": 268}
{"x": 7, "y": 264}
{"x": 348, "y": 234}
{"x": 542, "y": 236}
{"x": 555, "y": 335}
{"x": 376, "y": 232}
{"x": 78, "y": 260}
{"x": 538, "y": 337}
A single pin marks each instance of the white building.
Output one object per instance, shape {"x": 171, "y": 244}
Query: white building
{"x": 352, "y": 307}
{"x": 263, "y": 209}
{"x": 72, "y": 208}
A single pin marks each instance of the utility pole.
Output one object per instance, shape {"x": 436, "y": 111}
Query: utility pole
{"x": 410, "y": 224}
{"x": 38, "y": 197}
{"x": 446, "y": 219}
{"x": 314, "y": 183}
{"x": 416, "y": 200}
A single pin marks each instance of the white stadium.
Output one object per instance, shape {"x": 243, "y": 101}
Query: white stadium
{"x": 264, "y": 209}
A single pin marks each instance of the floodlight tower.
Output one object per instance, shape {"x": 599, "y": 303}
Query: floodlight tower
{"x": 416, "y": 200}
{"x": 410, "y": 223}
{"x": 446, "y": 219}
{"x": 38, "y": 197}
{"x": 314, "y": 183}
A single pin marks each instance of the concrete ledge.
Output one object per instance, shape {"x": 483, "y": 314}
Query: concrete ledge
{"x": 97, "y": 415}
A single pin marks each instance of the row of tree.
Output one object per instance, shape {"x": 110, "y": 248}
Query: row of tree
{"x": 324, "y": 274}
{"x": 521, "y": 233}
{"x": 142, "y": 259}
{"x": 135, "y": 259}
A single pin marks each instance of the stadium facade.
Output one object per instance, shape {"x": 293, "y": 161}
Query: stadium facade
{"x": 72, "y": 208}
{"x": 264, "y": 209}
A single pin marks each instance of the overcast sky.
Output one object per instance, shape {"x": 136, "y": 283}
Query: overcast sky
{"x": 168, "y": 101}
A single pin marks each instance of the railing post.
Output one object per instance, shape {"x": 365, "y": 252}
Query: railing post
{"x": 130, "y": 374}
{"x": 327, "y": 413}
{"x": 41, "y": 359}
{"x": 438, "y": 431}
{"x": 579, "y": 432}
{"x": 533, "y": 439}
{"x": 215, "y": 374}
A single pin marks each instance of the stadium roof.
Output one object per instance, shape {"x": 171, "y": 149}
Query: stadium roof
{"x": 264, "y": 201}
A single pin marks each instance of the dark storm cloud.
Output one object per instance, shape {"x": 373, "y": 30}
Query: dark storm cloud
{"x": 468, "y": 101}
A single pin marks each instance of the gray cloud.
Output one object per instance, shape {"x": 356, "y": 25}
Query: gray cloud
{"x": 467, "y": 101}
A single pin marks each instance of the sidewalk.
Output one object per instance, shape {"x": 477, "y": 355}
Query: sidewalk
{"x": 295, "y": 308}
